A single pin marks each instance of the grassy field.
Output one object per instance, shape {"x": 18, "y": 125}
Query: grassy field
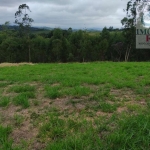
{"x": 75, "y": 106}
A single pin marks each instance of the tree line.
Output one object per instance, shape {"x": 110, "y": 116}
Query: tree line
{"x": 58, "y": 45}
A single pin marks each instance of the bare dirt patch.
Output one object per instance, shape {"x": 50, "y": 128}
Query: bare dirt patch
{"x": 8, "y": 114}
{"x": 100, "y": 113}
{"x": 26, "y": 132}
{"x": 6, "y": 93}
{"x": 123, "y": 94}
{"x": 61, "y": 103}
{"x": 121, "y": 109}
{"x": 55, "y": 84}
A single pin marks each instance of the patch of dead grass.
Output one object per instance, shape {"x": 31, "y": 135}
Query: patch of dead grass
{"x": 14, "y": 64}
{"x": 26, "y": 132}
{"x": 121, "y": 109}
{"x": 8, "y": 114}
{"x": 122, "y": 94}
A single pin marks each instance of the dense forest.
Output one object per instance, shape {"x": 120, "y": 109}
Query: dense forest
{"x": 21, "y": 44}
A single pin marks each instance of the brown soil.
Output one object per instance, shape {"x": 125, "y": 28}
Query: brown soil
{"x": 121, "y": 109}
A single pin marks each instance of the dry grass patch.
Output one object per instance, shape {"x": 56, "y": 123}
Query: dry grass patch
{"x": 7, "y": 114}
{"x": 129, "y": 100}
{"x": 123, "y": 94}
{"x": 121, "y": 109}
{"x": 62, "y": 104}
{"x": 55, "y": 84}
{"x": 101, "y": 113}
{"x": 6, "y": 91}
{"x": 14, "y": 64}
{"x": 26, "y": 132}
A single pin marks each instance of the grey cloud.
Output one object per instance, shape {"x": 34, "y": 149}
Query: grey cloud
{"x": 67, "y": 13}
{"x": 10, "y": 3}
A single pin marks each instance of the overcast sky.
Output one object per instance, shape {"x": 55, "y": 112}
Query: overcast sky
{"x": 68, "y": 13}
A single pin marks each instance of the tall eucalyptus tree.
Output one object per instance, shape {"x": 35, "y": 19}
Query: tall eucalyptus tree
{"x": 24, "y": 22}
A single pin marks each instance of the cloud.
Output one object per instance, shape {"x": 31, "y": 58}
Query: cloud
{"x": 68, "y": 13}
{"x": 10, "y": 3}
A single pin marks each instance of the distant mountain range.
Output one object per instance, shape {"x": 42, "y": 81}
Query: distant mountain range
{"x": 74, "y": 29}
{"x": 44, "y": 28}
{"x": 34, "y": 28}
{"x": 13, "y": 27}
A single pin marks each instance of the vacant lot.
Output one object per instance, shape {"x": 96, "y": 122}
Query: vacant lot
{"x": 78, "y": 106}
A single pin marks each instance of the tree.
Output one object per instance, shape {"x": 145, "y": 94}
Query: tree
{"x": 129, "y": 23}
{"x": 104, "y": 43}
{"x": 59, "y": 46}
{"x": 76, "y": 40}
{"x": 9, "y": 49}
{"x": 105, "y": 34}
{"x": 39, "y": 49}
{"x": 5, "y": 26}
{"x": 130, "y": 19}
{"x": 117, "y": 51}
{"x": 103, "y": 48}
{"x": 135, "y": 13}
{"x": 24, "y": 22}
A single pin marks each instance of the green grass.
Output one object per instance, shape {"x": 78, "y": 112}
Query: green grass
{"x": 22, "y": 100}
{"x": 75, "y": 106}
{"x": 101, "y": 94}
{"x": 106, "y": 107}
{"x": 4, "y": 84}
{"x": 131, "y": 133}
{"x": 4, "y": 101}
{"x": 52, "y": 92}
{"x": 76, "y": 91}
{"x": 80, "y": 141}
{"x": 18, "y": 120}
{"x": 5, "y": 143}
{"x": 20, "y": 89}
{"x": 54, "y": 129}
